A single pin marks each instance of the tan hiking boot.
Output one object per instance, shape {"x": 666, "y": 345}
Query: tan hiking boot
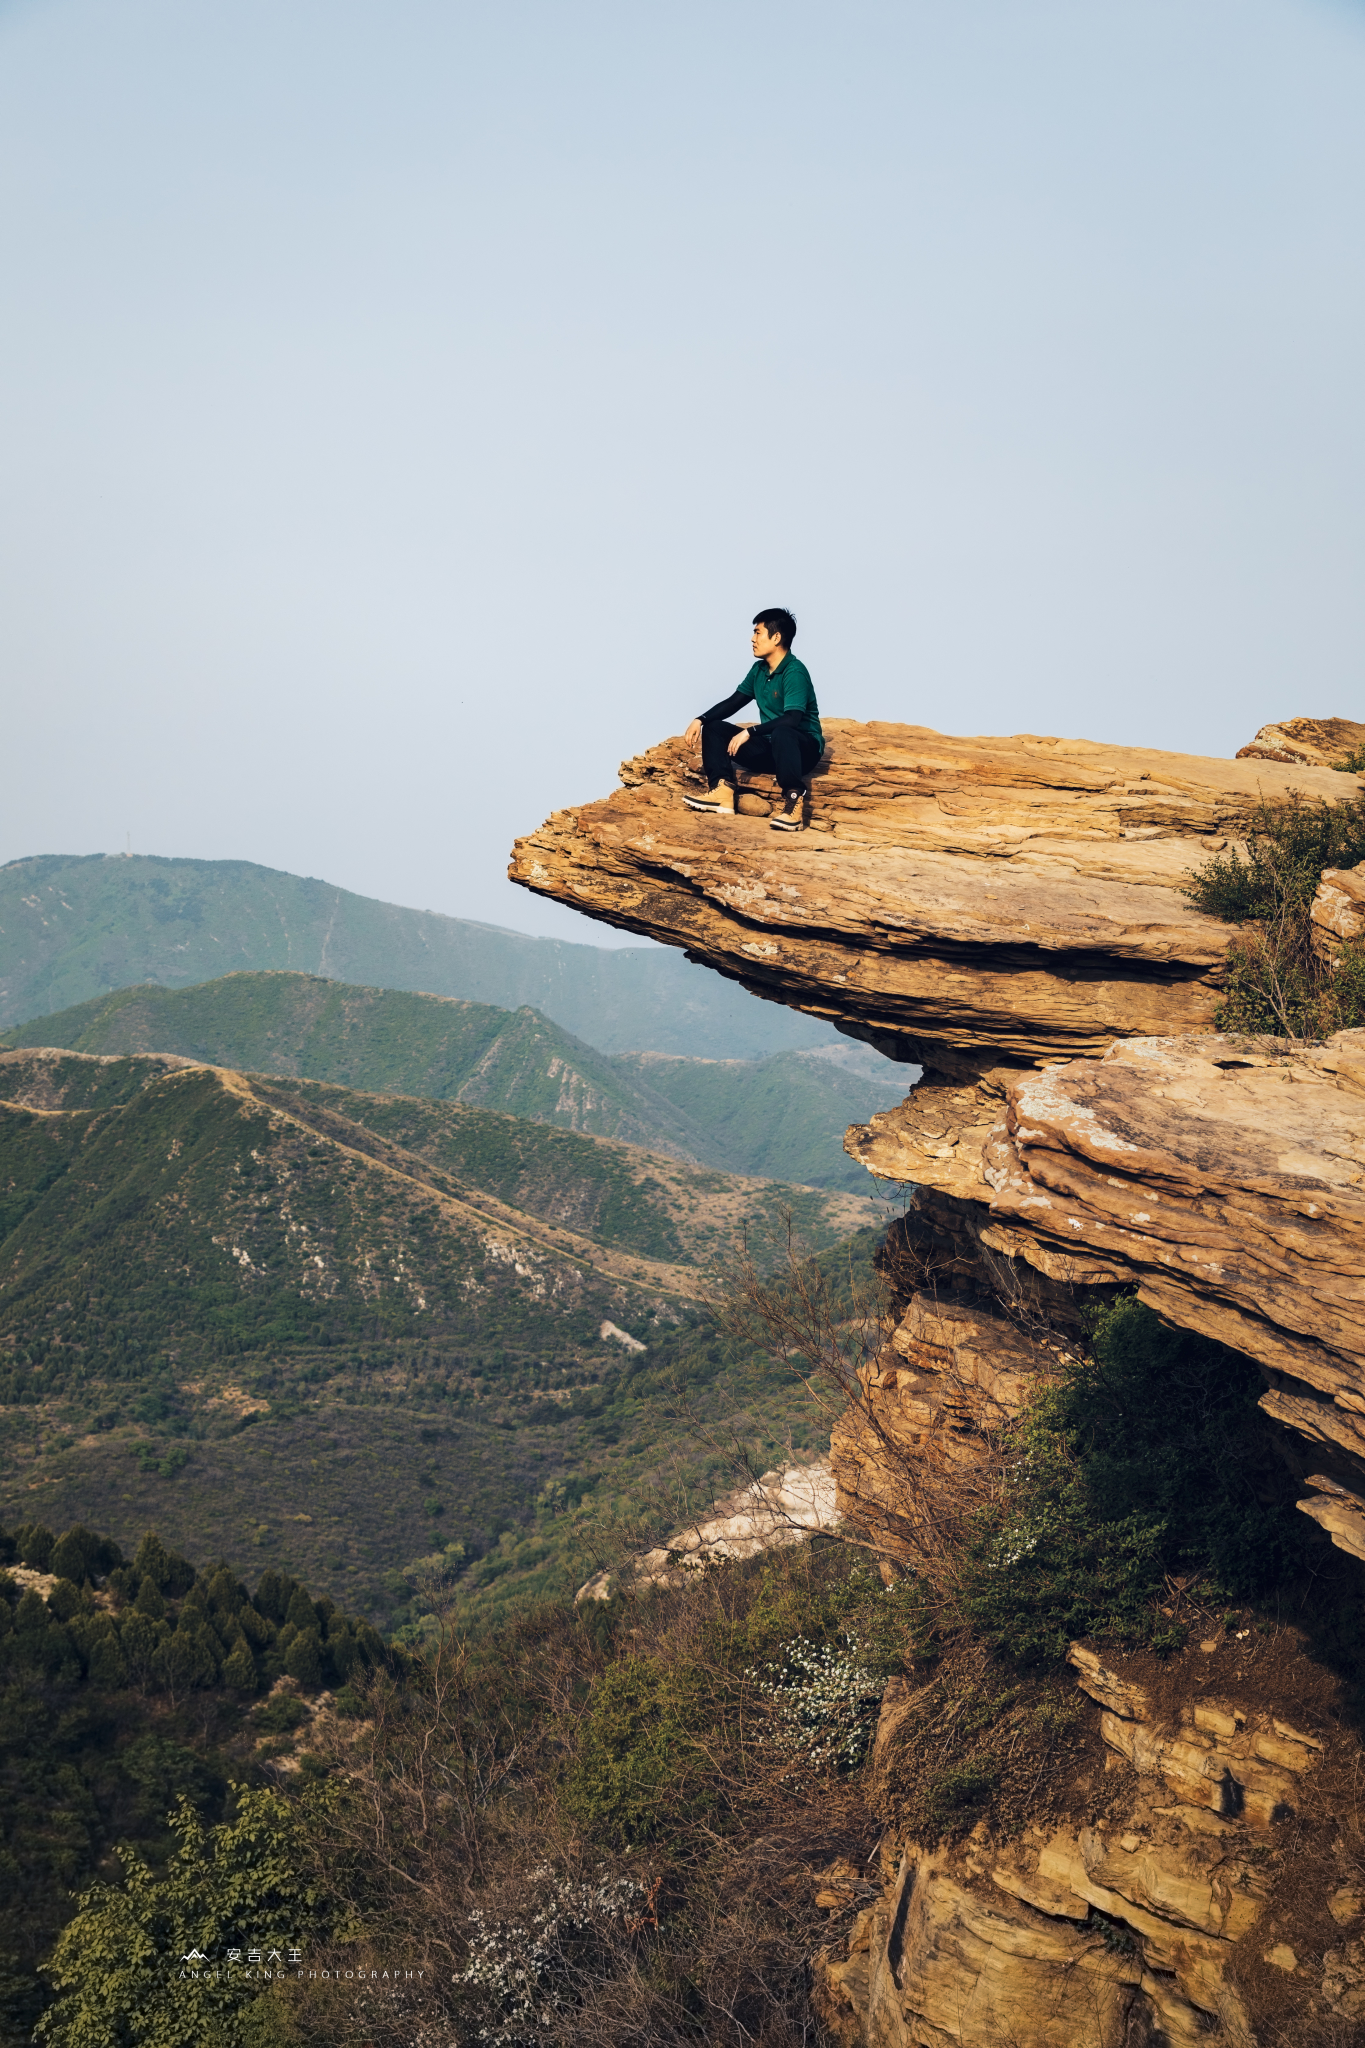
{"x": 720, "y": 801}
{"x": 792, "y": 816}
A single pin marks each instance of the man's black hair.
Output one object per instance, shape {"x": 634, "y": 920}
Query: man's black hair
{"x": 779, "y": 623}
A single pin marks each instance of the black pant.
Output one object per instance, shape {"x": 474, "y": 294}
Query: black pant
{"x": 785, "y": 753}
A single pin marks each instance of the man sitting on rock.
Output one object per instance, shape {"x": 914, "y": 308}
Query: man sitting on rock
{"x": 787, "y": 743}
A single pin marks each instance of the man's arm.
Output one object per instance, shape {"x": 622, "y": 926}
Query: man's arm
{"x": 733, "y": 702}
{"x": 794, "y": 717}
{"x": 743, "y": 695}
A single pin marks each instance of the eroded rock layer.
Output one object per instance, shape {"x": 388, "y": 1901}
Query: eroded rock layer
{"x": 957, "y": 902}
{"x": 1224, "y": 1177}
{"x": 1199, "y": 1894}
{"x": 1306, "y": 742}
{"x": 1008, "y": 913}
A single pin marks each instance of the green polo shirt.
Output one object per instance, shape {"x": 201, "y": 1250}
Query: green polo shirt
{"x": 787, "y": 687}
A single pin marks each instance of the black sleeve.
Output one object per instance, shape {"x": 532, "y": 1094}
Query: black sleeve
{"x": 725, "y": 707}
{"x": 795, "y": 718}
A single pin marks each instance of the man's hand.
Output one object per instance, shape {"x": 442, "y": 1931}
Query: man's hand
{"x": 692, "y": 737}
{"x": 738, "y": 741}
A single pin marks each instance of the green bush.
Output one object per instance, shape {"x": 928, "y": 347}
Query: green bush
{"x": 239, "y": 1884}
{"x": 81, "y": 1555}
{"x": 954, "y": 1799}
{"x": 281, "y": 1713}
{"x": 239, "y": 1667}
{"x": 1275, "y": 983}
{"x": 303, "y": 1659}
{"x": 34, "y": 1544}
{"x": 639, "y": 1767}
{"x": 1147, "y": 1457}
{"x": 1288, "y": 845}
{"x": 171, "y": 1574}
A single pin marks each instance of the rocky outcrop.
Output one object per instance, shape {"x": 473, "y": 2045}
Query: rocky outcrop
{"x": 960, "y": 903}
{"x": 1184, "y": 1906}
{"x": 1338, "y": 912}
{"x": 913, "y": 1452}
{"x": 785, "y": 1506}
{"x": 1305, "y": 742}
{"x": 1225, "y": 1178}
{"x": 989, "y": 907}
{"x": 1008, "y": 914}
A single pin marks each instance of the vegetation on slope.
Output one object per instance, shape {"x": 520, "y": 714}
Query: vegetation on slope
{"x": 208, "y": 1216}
{"x": 373, "y": 1039}
{"x": 401, "y": 1482}
{"x": 1145, "y": 1462}
{"x": 348, "y": 1332}
{"x": 72, "y": 929}
{"x": 1277, "y": 982}
{"x": 783, "y": 1117}
{"x": 658, "y": 1799}
{"x": 627, "y": 1820}
{"x": 117, "y": 1703}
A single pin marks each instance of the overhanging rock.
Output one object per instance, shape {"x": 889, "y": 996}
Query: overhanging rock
{"x": 991, "y": 907}
{"x": 957, "y": 902}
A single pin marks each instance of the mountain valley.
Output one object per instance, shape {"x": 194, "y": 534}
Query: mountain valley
{"x": 269, "y": 1313}
{"x": 781, "y": 1117}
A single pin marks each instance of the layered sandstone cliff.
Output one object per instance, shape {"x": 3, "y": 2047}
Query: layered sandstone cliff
{"x": 1203, "y": 1888}
{"x": 1007, "y": 914}
{"x": 992, "y": 907}
{"x": 961, "y": 903}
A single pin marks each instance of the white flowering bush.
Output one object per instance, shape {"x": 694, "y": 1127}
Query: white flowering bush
{"x": 529, "y": 1968}
{"x": 823, "y": 1699}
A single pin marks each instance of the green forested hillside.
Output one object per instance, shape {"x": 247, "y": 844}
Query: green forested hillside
{"x": 72, "y": 928}
{"x": 278, "y": 1316}
{"x": 637, "y": 1820}
{"x": 377, "y": 1039}
{"x": 125, "y": 1686}
{"x": 783, "y": 1117}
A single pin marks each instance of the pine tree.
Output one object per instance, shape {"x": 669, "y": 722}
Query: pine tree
{"x": 304, "y": 1659}
{"x": 239, "y": 1668}
{"x": 108, "y": 1666}
{"x": 149, "y": 1600}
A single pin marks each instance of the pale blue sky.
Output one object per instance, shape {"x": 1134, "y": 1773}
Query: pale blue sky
{"x": 404, "y": 407}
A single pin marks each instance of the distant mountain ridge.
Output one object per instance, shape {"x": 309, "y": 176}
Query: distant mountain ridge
{"x": 76, "y": 927}
{"x": 782, "y": 1117}
{"x": 151, "y": 1208}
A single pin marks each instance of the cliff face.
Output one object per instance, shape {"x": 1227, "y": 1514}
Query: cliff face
{"x": 990, "y": 907}
{"x": 1007, "y": 914}
{"x": 1197, "y": 1891}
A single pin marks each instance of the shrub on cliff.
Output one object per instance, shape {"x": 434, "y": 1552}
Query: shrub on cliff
{"x": 1147, "y": 1457}
{"x": 1275, "y": 982}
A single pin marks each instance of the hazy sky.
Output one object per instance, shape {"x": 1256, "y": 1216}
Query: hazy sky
{"x": 404, "y": 406}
